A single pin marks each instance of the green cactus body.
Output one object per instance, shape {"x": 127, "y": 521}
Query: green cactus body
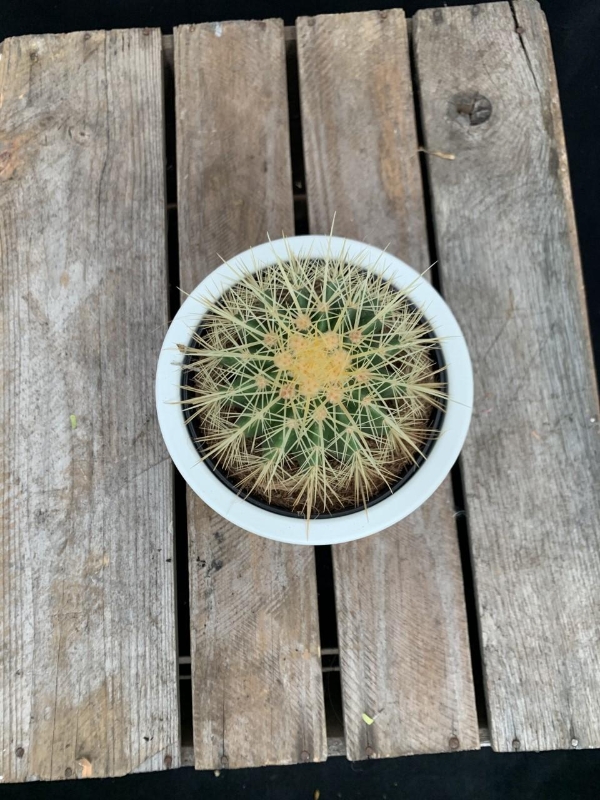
{"x": 313, "y": 383}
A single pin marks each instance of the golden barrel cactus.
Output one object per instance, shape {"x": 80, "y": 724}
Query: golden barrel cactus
{"x": 311, "y": 383}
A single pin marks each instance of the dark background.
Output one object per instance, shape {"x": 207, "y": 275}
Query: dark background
{"x": 575, "y": 31}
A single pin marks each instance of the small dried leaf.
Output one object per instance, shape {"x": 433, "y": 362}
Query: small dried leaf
{"x": 73, "y": 419}
{"x": 366, "y": 718}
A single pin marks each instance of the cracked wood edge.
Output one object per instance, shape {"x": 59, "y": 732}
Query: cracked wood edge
{"x": 404, "y": 649}
{"x": 256, "y": 667}
{"x": 87, "y": 628}
{"x": 510, "y": 266}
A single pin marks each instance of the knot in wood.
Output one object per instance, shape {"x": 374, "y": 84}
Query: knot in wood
{"x": 472, "y": 108}
{"x": 20, "y": 752}
{"x": 454, "y": 742}
{"x": 305, "y": 756}
{"x": 80, "y": 134}
{"x": 369, "y": 752}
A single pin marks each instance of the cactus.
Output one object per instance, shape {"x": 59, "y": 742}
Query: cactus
{"x": 313, "y": 382}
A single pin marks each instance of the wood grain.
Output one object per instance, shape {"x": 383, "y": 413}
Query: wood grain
{"x": 404, "y": 648}
{"x": 256, "y": 671}
{"x": 88, "y": 664}
{"x": 508, "y": 251}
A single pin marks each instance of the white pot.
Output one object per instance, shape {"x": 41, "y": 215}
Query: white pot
{"x": 333, "y": 530}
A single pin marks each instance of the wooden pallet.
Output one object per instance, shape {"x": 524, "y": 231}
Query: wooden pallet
{"x": 88, "y": 644}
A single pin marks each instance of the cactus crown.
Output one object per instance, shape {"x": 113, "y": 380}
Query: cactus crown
{"x": 312, "y": 383}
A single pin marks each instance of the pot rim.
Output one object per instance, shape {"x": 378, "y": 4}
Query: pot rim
{"x": 321, "y": 530}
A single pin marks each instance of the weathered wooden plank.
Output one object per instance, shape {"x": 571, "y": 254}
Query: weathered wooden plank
{"x": 508, "y": 251}
{"x": 404, "y": 648}
{"x": 257, "y": 686}
{"x": 87, "y": 637}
